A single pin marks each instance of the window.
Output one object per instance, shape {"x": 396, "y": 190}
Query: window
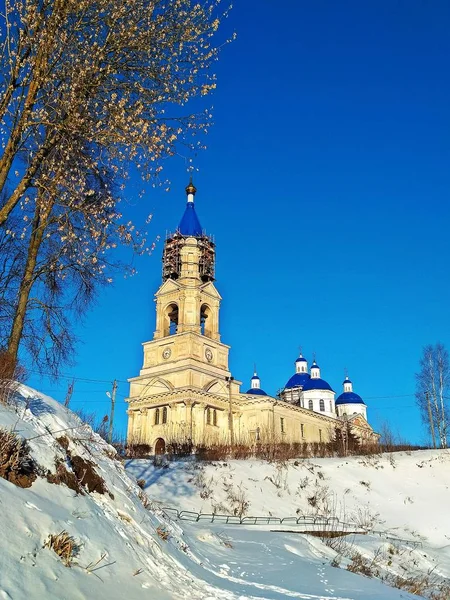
{"x": 164, "y": 415}
{"x": 214, "y": 417}
{"x": 205, "y": 320}
{"x": 310, "y": 404}
{"x": 302, "y": 430}
{"x": 320, "y": 435}
{"x": 322, "y": 404}
{"x": 331, "y": 406}
{"x": 208, "y": 416}
{"x": 157, "y": 416}
{"x": 171, "y": 319}
{"x": 282, "y": 424}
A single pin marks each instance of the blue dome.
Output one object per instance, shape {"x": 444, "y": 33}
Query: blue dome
{"x": 189, "y": 224}
{"x": 315, "y": 366}
{"x": 316, "y": 383}
{"x": 255, "y": 377}
{"x": 300, "y": 359}
{"x": 299, "y": 379}
{"x": 346, "y": 381}
{"x": 349, "y": 398}
{"x": 257, "y": 392}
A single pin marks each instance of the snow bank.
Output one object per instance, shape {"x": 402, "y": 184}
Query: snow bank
{"x": 120, "y": 552}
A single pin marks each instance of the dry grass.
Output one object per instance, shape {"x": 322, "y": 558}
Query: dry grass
{"x": 163, "y": 533}
{"x": 63, "y": 545}
{"x": 16, "y": 464}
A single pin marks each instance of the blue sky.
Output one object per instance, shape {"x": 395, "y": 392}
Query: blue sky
{"x": 326, "y": 185}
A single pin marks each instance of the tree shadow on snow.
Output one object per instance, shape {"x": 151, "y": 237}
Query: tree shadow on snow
{"x": 39, "y": 408}
{"x": 172, "y": 478}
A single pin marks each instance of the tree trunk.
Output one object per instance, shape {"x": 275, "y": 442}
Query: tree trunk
{"x": 26, "y": 180}
{"x": 38, "y": 227}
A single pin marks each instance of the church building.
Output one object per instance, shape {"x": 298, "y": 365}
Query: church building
{"x": 185, "y": 393}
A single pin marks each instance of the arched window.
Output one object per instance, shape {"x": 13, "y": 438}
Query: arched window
{"x": 208, "y": 416}
{"x": 164, "y": 415}
{"x": 322, "y": 404}
{"x": 157, "y": 416}
{"x": 205, "y": 320}
{"x": 214, "y": 417}
{"x": 310, "y": 404}
{"x": 171, "y": 319}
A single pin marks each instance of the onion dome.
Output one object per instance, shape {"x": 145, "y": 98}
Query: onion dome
{"x": 348, "y": 396}
{"x": 297, "y": 380}
{"x": 189, "y": 224}
{"x": 316, "y": 383}
{"x": 301, "y": 359}
{"x": 256, "y": 386}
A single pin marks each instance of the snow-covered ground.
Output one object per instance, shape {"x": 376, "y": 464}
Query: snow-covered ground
{"x": 404, "y": 493}
{"x": 121, "y": 553}
{"x": 399, "y": 498}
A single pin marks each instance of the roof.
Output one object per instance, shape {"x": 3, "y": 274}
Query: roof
{"x": 315, "y": 366}
{"x": 255, "y": 377}
{"x": 346, "y": 380}
{"x": 301, "y": 359}
{"x": 316, "y": 383}
{"x": 257, "y": 392}
{"x": 189, "y": 224}
{"x": 349, "y": 398}
{"x": 297, "y": 380}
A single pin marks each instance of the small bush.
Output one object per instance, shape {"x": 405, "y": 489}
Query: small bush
{"x": 362, "y": 566}
{"x": 16, "y": 464}
{"x": 138, "y": 450}
{"x": 163, "y": 533}
{"x": 63, "y": 545}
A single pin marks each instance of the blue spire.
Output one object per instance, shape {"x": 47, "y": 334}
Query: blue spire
{"x": 189, "y": 224}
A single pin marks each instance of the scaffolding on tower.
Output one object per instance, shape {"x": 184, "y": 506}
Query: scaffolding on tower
{"x": 171, "y": 264}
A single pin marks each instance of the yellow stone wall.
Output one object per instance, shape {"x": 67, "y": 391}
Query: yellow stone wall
{"x": 185, "y": 376}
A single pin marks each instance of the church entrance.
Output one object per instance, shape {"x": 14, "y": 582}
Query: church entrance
{"x": 160, "y": 446}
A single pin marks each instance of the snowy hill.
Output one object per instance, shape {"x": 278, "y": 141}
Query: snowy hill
{"x": 403, "y": 493}
{"x": 125, "y": 546}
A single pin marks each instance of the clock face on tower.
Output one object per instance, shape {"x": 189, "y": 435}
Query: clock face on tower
{"x": 208, "y": 354}
{"x": 166, "y": 353}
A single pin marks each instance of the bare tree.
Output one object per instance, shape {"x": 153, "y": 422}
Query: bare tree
{"x": 432, "y": 383}
{"x": 107, "y": 74}
{"x": 87, "y": 87}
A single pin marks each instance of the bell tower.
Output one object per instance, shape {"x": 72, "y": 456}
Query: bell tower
{"x": 185, "y": 360}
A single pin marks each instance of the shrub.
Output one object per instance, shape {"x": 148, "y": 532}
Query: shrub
{"x": 138, "y": 450}
{"x": 63, "y": 545}
{"x": 16, "y": 464}
{"x": 163, "y": 533}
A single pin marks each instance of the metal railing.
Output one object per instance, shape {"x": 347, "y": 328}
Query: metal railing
{"x": 316, "y": 523}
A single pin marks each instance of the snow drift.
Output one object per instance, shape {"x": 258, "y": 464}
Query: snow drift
{"x": 123, "y": 544}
